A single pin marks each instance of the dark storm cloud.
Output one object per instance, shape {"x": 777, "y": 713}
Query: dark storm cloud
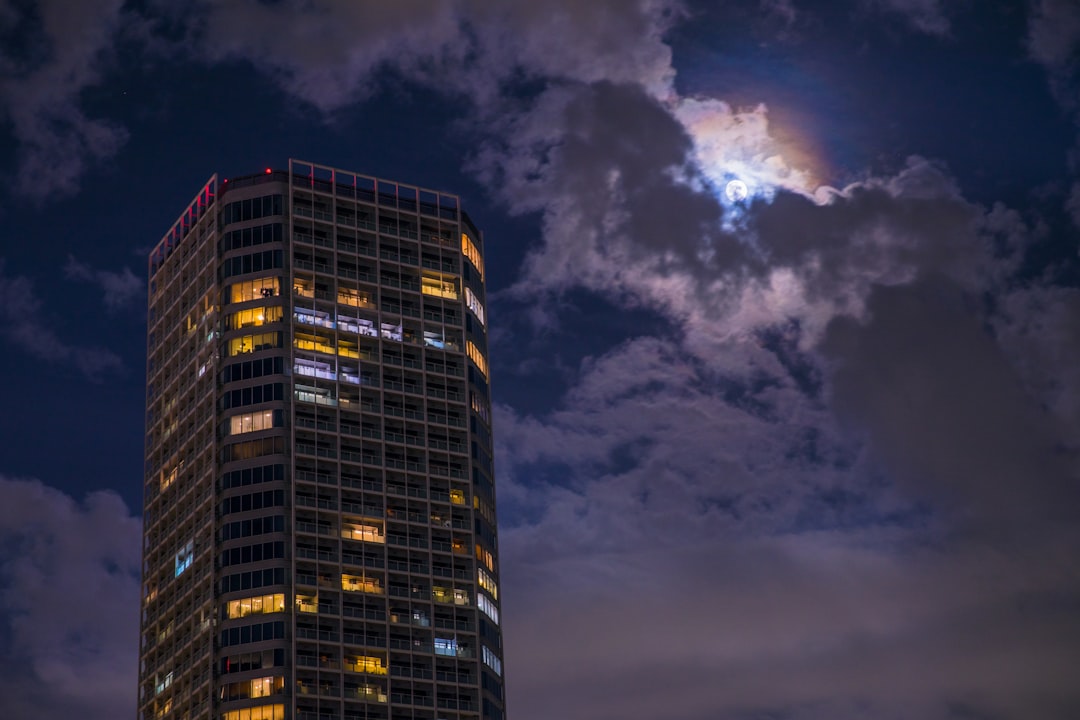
{"x": 940, "y": 401}
{"x": 69, "y": 589}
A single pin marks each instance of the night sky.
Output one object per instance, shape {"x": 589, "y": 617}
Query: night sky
{"x": 809, "y": 455}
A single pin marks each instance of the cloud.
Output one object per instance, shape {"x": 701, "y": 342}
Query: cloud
{"x": 24, "y": 326}
{"x": 926, "y": 16}
{"x": 119, "y": 288}
{"x": 69, "y": 574}
{"x": 1054, "y": 34}
{"x": 725, "y": 540}
{"x": 939, "y": 400}
{"x": 330, "y": 53}
{"x": 53, "y": 51}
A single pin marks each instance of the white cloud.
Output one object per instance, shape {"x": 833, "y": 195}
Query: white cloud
{"x": 70, "y": 603}
{"x": 119, "y": 288}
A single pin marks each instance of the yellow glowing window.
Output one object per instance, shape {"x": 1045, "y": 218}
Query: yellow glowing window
{"x": 307, "y": 603}
{"x": 438, "y": 284}
{"x": 456, "y": 596}
{"x": 314, "y": 343}
{"x": 363, "y": 531}
{"x": 485, "y": 557}
{"x": 476, "y": 356}
{"x": 366, "y": 664}
{"x": 254, "y": 289}
{"x": 262, "y": 712}
{"x": 488, "y": 583}
{"x": 457, "y": 497}
{"x": 469, "y": 249}
{"x": 257, "y": 605}
{"x": 253, "y": 317}
{"x": 251, "y": 422}
{"x": 353, "y": 298}
{"x": 303, "y": 287}
{"x": 360, "y": 583}
{"x": 168, "y": 478}
{"x": 348, "y": 349}
{"x": 254, "y": 343}
{"x": 266, "y": 686}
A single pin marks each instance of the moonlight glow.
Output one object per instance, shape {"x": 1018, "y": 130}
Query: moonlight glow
{"x": 736, "y": 191}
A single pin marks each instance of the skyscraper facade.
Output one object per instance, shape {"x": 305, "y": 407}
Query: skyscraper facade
{"x": 319, "y": 516}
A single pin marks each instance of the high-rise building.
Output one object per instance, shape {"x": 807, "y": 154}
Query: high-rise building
{"x": 319, "y": 517}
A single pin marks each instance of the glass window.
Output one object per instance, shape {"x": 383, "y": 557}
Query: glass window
{"x": 252, "y": 317}
{"x": 439, "y": 284}
{"x": 492, "y": 660}
{"x": 473, "y": 303}
{"x": 254, "y": 289}
{"x": 360, "y": 583}
{"x": 476, "y": 356}
{"x": 469, "y": 249}
{"x": 366, "y": 530}
{"x": 185, "y": 557}
{"x": 488, "y": 583}
{"x": 488, "y": 607}
{"x": 252, "y": 422}
{"x": 258, "y": 605}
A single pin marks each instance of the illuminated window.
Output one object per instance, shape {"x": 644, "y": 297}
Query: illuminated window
{"x": 168, "y": 478}
{"x": 446, "y": 646}
{"x": 262, "y": 712}
{"x": 456, "y": 596}
{"x": 366, "y": 664}
{"x": 313, "y": 317}
{"x": 371, "y": 693}
{"x": 265, "y": 686}
{"x": 254, "y": 343}
{"x": 473, "y": 303}
{"x": 185, "y": 557}
{"x": 307, "y": 603}
{"x": 163, "y": 683}
{"x": 314, "y": 368}
{"x": 488, "y": 607}
{"x": 480, "y": 406}
{"x": 488, "y": 583}
{"x": 252, "y": 317}
{"x": 354, "y": 298}
{"x": 485, "y": 557}
{"x": 317, "y": 343}
{"x": 492, "y": 660}
{"x": 438, "y": 284}
{"x": 252, "y": 422}
{"x": 258, "y": 605}
{"x": 365, "y": 531}
{"x": 360, "y": 583}
{"x": 476, "y": 356}
{"x": 457, "y": 497}
{"x": 469, "y": 249}
{"x": 349, "y": 349}
{"x": 254, "y": 289}
{"x": 302, "y": 287}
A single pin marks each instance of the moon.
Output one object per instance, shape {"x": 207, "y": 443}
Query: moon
{"x": 736, "y": 191}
